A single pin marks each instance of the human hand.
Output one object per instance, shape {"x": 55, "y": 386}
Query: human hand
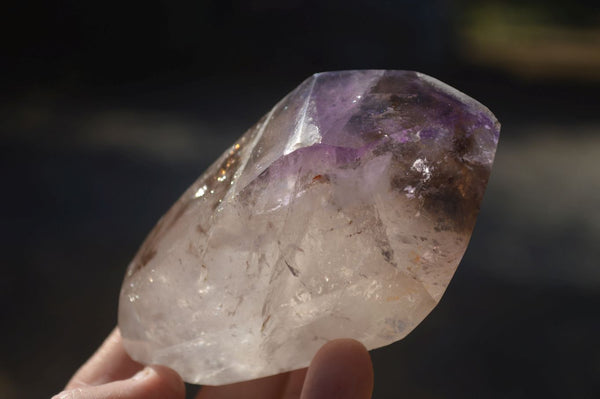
{"x": 341, "y": 369}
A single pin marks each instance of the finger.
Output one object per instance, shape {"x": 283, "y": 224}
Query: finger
{"x": 262, "y": 388}
{"x": 341, "y": 369}
{"x": 154, "y": 382}
{"x": 109, "y": 363}
{"x": 294, "y": 384}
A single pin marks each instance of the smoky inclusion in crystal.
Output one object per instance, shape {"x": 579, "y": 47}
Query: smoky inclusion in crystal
{"x": 343, "y": 212}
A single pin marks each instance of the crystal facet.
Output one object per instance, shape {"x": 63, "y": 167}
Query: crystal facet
{"x": 343, "y": 212}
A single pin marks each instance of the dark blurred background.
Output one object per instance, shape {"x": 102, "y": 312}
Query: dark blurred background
{"x": 109, "y": 110}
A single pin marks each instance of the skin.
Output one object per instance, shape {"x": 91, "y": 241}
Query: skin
{"x": 341, "y": 369}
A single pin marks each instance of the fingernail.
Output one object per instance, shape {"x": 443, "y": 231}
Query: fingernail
{"x": 143, "y": 374}
{"x": 71, "y": 393}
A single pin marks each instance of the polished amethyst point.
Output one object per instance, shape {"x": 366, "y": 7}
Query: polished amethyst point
{"x": 344, "y": 212}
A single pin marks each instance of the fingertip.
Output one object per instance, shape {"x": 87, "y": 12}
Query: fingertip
{"x": 170, "y": 382}
{"x": 159, "y": 382}
{"x": 341, "y": 369}
{"x": 152, "y": 382}
{"x": 109, "y": 363}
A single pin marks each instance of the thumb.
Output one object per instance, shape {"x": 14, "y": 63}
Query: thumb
{"x": 341, "y": 369}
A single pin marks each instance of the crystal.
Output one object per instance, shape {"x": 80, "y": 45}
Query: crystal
{"x": 343, "y": 212}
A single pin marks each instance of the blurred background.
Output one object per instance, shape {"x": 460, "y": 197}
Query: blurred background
{"x": 109, "y": 110}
